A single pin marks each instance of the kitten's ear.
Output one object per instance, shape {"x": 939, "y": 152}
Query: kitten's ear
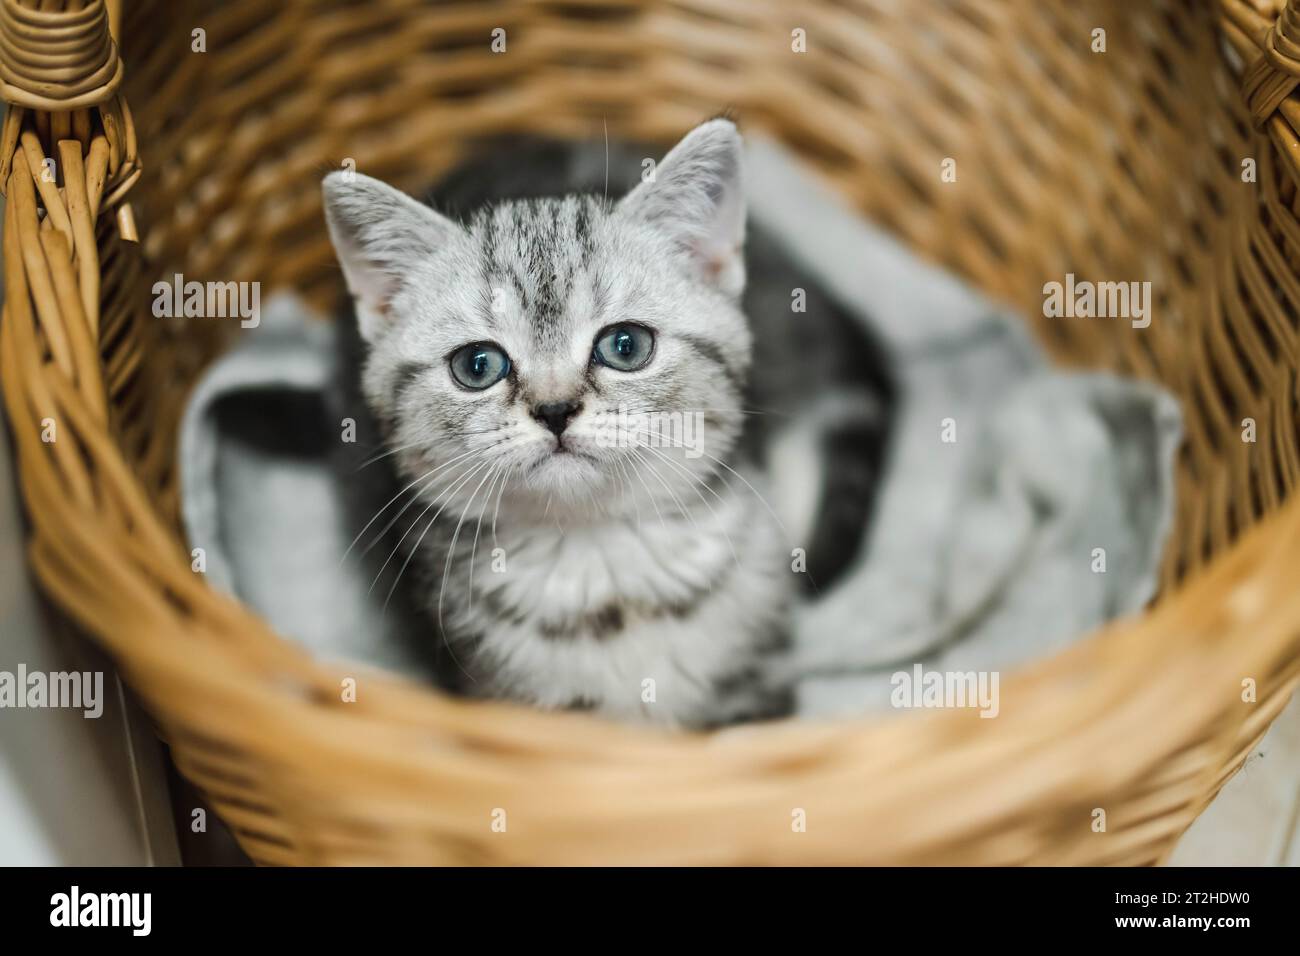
{"x": 697, "y": 196}
{"x": 379, "y": 234}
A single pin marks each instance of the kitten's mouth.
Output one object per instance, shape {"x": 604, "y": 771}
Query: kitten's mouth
{"x": 563, "y": 462}
{"x": 561, "y": 450}
{"x": 566, "y": 448}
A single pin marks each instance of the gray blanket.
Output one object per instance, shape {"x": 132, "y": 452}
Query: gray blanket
{"x": 986, "y": 550}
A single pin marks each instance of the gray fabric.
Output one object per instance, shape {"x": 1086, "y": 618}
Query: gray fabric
{"x": 980, "y": 553}
{"x": 266, "y": 505}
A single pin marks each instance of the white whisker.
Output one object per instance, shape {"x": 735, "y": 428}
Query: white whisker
{"x": 473, "y": 554}
{"x": 473, "y": 470}
{"x": 427, "y": 474}
{"x": 451, "y": 550}
{"x": 682, "y": 469}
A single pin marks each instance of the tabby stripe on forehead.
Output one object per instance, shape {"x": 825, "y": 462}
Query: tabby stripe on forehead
{"x": 487, "y": 264}
{"x": 498, "y": 241}
{"x": 546, "y": 273}
{"x": 711, "y": 352}
{"x": 582, "y": 229}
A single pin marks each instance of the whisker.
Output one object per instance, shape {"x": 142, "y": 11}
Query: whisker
{"x": 626, "y": 480}
{"x": 473, "y": 554}
{"x": 508, "y": 475}
{"x": 475, "y": 433}
{"x": 428, "y": 479}
{"x": 681, "y": 509}
{"x": 682, "y": 469}
{"x": 393, "y": 451}
{"x": 652, "y": 410}
{"x": 427, "y": 474}
{"x": 646, "y": 544}
{"x": 635, "y": 460}
{"x": 451, "y": 551}
{"x": 416, "y": 547}
{"x": 775, "y": 517}
{"x": 473, "y": 469}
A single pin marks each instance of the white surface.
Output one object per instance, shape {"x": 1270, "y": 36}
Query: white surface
{"x": 1255, "y": 820}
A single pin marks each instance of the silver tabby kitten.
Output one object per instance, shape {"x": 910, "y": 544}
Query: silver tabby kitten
{"x": 560, "y": 382}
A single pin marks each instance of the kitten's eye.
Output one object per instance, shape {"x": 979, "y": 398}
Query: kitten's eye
{"x": 624, "y": 347}
{"x": 479, "y": 365}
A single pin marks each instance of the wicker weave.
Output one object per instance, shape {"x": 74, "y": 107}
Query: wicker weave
{"x": 1118, "y": 165}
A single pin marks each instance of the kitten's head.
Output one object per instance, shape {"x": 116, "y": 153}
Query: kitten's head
{"x": 538, "y": 341}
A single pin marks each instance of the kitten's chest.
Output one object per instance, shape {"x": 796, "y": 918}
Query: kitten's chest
{"x": 579, "y": 578}
{"x": 651, "y": 623}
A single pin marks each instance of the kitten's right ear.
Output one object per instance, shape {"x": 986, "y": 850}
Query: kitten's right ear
{"x": 379, "y": 234}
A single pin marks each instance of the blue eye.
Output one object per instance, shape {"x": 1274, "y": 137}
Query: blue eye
{"x": 479, "y": 365}
{"x": 624, "y": 347}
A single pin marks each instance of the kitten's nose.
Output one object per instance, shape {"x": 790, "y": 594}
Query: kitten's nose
{"x": 556, "y": 415}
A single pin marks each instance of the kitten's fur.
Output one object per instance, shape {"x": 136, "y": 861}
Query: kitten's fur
{"x": 640, "y": 583}
{"x": 637, "y": 583}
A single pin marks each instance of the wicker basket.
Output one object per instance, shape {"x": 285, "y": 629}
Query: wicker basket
{"x": 1117, "y": 165}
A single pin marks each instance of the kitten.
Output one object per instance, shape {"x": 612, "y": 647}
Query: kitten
{"x": 561, "y": 382}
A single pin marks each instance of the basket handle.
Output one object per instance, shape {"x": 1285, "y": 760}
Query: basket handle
{"x": 57, "y": 60}
{"x": 60, "y": 72}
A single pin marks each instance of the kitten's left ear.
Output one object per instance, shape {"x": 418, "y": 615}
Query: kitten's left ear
{"x": 697, "y": 196}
